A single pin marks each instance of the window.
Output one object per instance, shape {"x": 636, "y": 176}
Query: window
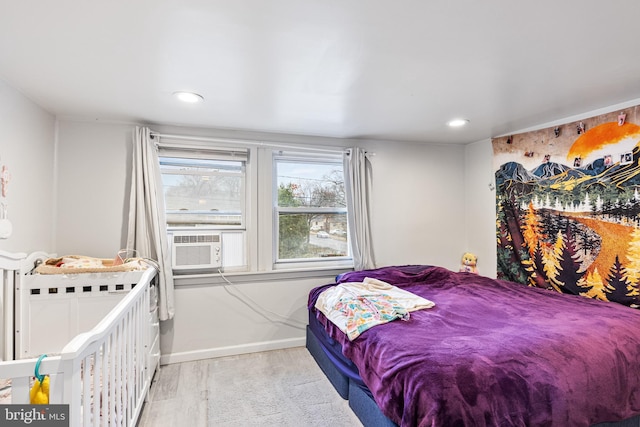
{"x": 261, "y": 209}
{"x": 207, "y": 192}
{"x": 310, "y": 208}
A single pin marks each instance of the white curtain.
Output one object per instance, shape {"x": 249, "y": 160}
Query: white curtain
{"x": 147, "y": 233}
{"x": 357, "y": 171}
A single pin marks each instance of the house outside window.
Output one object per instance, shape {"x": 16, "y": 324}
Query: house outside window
{"x": 203, "y": 192}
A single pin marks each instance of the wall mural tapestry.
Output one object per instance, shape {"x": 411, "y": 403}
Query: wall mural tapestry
{"x": 568, "y": 207}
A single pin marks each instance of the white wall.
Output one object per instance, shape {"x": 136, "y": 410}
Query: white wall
{"x": 480, "y": 205}
{"x": 418, "y": 201}
{"x": 418, "y": 207}
{"x": 94, "y": 161}
{"x": 27, "y": 143}
{"x": 219, "y": 319}
{"x": 418, "y": 217}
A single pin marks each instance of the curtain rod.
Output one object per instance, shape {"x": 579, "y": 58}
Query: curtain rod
{"x": 248, "y": 142}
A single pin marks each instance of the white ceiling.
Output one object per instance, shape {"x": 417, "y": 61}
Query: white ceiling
{"x": 384, "y": 69}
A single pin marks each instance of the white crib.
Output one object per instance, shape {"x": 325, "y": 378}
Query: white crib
{"x": 103, "y": 373}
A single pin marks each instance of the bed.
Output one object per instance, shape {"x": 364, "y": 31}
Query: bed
{"x": 100, "y": 333}
{"x": 488, "y": 353}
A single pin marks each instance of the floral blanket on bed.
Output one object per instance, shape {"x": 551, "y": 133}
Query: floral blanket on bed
{"x": 366, "y": 311}
{"x": 358, "y": 306}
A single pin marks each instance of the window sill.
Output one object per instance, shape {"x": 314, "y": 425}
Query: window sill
{"x": 215, "y": 279}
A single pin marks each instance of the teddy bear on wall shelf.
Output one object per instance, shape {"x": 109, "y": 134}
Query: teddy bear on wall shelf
{"x": 469, "y": 262}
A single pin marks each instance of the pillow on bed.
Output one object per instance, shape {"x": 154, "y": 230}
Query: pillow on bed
{"x": 391, "y": 274}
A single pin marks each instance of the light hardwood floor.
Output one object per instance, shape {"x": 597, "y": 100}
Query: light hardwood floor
{"x": 274, "y": 388}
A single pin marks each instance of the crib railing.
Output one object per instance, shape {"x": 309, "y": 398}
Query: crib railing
{"x": 102, "y": 374}
{"x": 9, "y": 265}
{"x": 20, "y": 373}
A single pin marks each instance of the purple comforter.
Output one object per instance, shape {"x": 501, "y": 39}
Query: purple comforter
{"x": 495, "y": 353}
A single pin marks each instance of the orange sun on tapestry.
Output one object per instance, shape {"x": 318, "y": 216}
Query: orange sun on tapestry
{"x": 600, "y": 138}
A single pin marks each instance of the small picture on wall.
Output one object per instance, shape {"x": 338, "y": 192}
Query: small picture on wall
{"x": 577, "y": 162}
{"x": 608, "y": 160}
{"x": 621, "y": 118}
{"x": 626, "y": 158}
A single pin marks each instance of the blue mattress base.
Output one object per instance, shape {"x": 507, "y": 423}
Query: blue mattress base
{"x": 344, "y": 377}
{"x": 366, "y": 409}
{"x": 333, "y": 350}
{"x": 629, "y": 422}
{"x": 339, "y": 381}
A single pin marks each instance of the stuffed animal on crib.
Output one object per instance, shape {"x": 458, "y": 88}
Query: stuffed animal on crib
{"x": 39, "y": 393}
{"x": 469, "y": 262}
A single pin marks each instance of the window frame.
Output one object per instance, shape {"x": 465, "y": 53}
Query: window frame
{"x": 259, "y": 216}
{"x": 292, "y": 156}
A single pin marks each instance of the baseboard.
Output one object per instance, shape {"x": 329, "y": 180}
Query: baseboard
{"x": 190, "y": 356}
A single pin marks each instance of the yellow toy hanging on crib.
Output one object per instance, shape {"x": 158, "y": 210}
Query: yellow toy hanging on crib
{"x": 39, "y": 394}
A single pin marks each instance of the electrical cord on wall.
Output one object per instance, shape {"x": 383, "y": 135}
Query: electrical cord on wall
{"x": 256, "y": 308}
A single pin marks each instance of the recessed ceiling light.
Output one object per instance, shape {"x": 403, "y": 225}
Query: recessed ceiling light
{"x": 456, "y": 123}
{"x": 190, "y": 97}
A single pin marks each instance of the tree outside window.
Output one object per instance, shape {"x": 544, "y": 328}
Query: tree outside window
{"x": 311, "y": 209}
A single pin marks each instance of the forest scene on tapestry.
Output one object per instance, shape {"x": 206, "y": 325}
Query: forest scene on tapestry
{"x": 568, "y": 207}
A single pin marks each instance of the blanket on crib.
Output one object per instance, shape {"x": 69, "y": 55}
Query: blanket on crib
{"x": 75, "y": 264}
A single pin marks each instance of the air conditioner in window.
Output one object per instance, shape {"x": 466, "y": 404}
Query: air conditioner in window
{"x": 196, "y": 251}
